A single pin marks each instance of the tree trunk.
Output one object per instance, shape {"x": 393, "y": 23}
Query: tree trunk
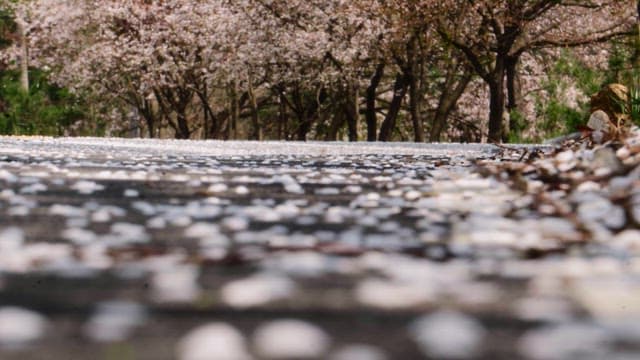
{"x": 211, "y": 123}
{"x": 496, "y": 109}
{"x": 183, "y": 131}
{"x": 283, "y": 117}
{"x": 302, "y": 114}
{"x": 389, "y": 123}
{"x": 303, "y": 130}
{"x": 206, "y": 117}
{"x": 24, "y": 55}
{"x": 306, "y": 107}
{"x": 149, "y": 117}
{"x": 234, "y": 110}
{"x": 513, "y": 83}
{"x": 496, "y": 80}
{"x": 151, "y": 129}
{"x": 353, "y": 112}
{"x": 256, "y": 131}
{"x": 514, "y": 99}
{"x": 451, "y": 92}
{"x": 413, "y": 75}
{"x": 370, "y": 112}
{"x": 337, "y": 121}
{"x": 415, "y": 105}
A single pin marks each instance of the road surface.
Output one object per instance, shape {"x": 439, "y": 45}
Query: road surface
{"x": 160, "y": 249}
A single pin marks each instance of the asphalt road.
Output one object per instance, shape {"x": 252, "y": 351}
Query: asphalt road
{"x": 141, "y": 249}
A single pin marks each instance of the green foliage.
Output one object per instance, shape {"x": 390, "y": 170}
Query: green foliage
{"x": 621, "y": 62}
{"x": 517, "y": 124}
{"x": 556, "y": 116}
{"x": 634, "y": 108}
{"x": 586, "y": 79}
{"x": 45, "y": 110}
{"x": 634, "y": 82}
{"x": 624, "y": 68}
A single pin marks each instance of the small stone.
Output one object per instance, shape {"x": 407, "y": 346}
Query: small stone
{"x": 177, "y": 284}
{"x": 634, "y": 174}
{"x": 131, "y": 193}
{"x": 558, "y": 228}
{"x": 565, "y": 156}
{"x": 6, "y": 194}
{"x": 18, "y": 211}
{"x": 235, "y": 223}
{"x": 605, "y": 162}
{"x": 386, "y": 294}
{"x": 86, "y": 187}
{"x": 180, "y": 220}
{"x": 79, "y": 236}
{"x": 217, "y": 188}
{"x": 144, "y": 208}
{"x": 157, "y": 223}
{"x": 201, "y": 230}
{"x": 353, "y": 189}
{"x": 241, "y": 190}
{"x": 301, "y": 264}
{"x": 293, "y": 188}
{"x": 257, "y": 290}
{"x": 620, "y": 186}
{"x": 290, "y": 338}
{"x": 7, "y": 177}
{"x": 67, "y": 211}
{"x": 567, "y": 166}
{"x": 589, "y": 186}
{"x": 114, "y": 321}
{"x": 11, "y": 238}
{"x": 608, "y": 298}
{"x": 327, "y": 191}
{"x": 19, "y": 326}
{"x": 359, "y": 352}
{"x": 33, "y": 188}
{"x": 543, "y": 309}
{"x": 216, "y": 340}
{"x": 601, "y": 210}
{"x": 599, "y": 121}
{"x": 632, "y": 144}
{"x": 627, "y": 240}
{"x": 412, "y": 195}
{"x": 633, "y": 160}
{"x": 623, "y": 153}
{"x": 129, "y": 233}
{"x": 565, "y": 341}
{"x": 448, "y": 335}
{"x": 101, "y": 216}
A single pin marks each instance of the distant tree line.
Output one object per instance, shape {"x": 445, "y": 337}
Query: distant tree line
{"x": 395, "y": 70}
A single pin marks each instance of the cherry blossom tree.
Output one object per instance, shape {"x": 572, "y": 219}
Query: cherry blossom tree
{"x": 317, "y": 54}
{"x": 301, "y": 69}
{"x": 493, "y": 34}
{"x": 430, "y": 72}
{"x": 153, "y": 56}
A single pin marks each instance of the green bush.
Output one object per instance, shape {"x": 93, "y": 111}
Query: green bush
{"x": 635, "y": 103}
{"x": 556, "y": 117}
{"x": 624, "y": 68}
{"x": 45, "y": 110}
{"x": 517, "y": 124}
